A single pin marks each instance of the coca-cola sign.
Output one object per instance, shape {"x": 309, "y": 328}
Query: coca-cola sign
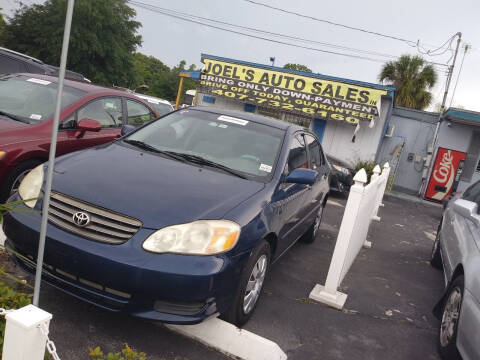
{"x": 443, "y": 174}
{"x": 446, "y": 170}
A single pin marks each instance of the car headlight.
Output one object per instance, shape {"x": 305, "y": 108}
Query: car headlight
{"x": 31, "y": 186}
{"x": 341, "y": 169}
{"x": 203, "y": 237}
{"x": 2, "y": 154}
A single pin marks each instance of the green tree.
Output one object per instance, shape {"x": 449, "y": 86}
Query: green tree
{"x": 102, "y": 42}
{"x": 413, "y": 78}
{"x": 298, "y": 67}
{"x": 161, "y": 81}
{"x": 2, "y": 28}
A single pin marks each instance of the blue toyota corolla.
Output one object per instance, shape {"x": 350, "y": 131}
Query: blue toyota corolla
{"x": 178, "y": 220}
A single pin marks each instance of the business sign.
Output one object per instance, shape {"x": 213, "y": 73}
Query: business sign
{"x": 288, "y": 92}
{"x": 443, "y": 174}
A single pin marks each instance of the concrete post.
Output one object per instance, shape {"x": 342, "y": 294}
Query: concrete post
{"x": 23, "y": 337}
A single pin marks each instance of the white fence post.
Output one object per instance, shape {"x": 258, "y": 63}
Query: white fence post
{"x": 328, "y": 293}
{"x": 362, "y": 207}
{"x": 375, "y": 177}
{"x": 24, "y": 339}
{"x": 381, "y": 192}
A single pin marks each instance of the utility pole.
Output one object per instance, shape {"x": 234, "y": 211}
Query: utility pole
{"x": 427, "y": 166}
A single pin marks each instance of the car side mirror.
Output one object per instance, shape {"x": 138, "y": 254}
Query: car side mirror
{"x": 302, "y": 176}
{"x": 467, "y": 209}
{"x": 127, "y": 129}
{"x": 88, "y": 125}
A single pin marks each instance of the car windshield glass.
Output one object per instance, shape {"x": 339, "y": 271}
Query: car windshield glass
{"x": 244, "y": 146}
{"x": 32, "y": 100}
{"x": 162, "y": 109}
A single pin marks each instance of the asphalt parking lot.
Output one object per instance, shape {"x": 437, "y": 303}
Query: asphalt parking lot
{"x": 391, "y": 291}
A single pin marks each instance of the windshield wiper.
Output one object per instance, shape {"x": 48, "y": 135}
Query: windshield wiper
{"x": 14, "y": 117}
{"x": 145, "y": 146}
{"x": 202, "y": 161}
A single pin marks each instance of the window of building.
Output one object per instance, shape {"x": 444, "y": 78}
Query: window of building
{"x": 208, "y": 99}
{"x": 249, "y": 108}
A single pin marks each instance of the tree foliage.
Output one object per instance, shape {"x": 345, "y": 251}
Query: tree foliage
{"x": 298, "y": 67}
{"x": 2, "y": 29}
{"x": 413, "y": 78}
{"x": 102, "y": 42}
{"x": 161, "y": 80}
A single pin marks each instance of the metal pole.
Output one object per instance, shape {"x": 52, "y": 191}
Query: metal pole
{"x": 442, "y": 108}
{"x": 179, "y": 93}
{"x": 53, "y": 147}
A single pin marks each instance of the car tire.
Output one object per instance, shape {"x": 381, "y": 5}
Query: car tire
{"x": 250, "y": 286}
{"x": 15, "y": 177}
{"x": 447, "y": 335}
{"x": 310, "y": 236}
{"x": 436, "y": 257}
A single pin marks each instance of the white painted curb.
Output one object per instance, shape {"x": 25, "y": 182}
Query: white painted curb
{"x": 230, "y": 340}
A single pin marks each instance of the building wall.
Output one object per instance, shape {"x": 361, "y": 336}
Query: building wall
{"x": 337, "y": 139}
{"x": 413, "y": 133}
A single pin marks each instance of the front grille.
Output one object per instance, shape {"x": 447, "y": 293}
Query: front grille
{"x": 105, "y": 226}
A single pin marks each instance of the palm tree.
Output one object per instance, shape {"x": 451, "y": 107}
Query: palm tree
{"x": 412, "y": 77}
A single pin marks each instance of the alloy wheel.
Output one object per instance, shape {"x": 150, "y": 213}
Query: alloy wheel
{"x": 450, "y": 316}
{"x": 254, "y": 284}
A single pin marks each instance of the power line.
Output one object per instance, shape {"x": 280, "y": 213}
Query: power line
{"x": 290, "y": 37}
{"x": 196, "y": 19}
{"x": 459, "y": 72}
{"x": 410, "y": 42}
{"x": 407, "y": 41}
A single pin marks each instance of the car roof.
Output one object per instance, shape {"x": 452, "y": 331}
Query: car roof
{"x": 249, "y": 116}
{"x": 21, "y": 56}
{"x": 84, "y": 86}
{"x": 156, "y": 99}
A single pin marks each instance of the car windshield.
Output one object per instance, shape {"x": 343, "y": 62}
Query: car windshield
{"x": 162, "y": 109}
{"x": 32, "y": 100}
{"x": 243, "y": 146}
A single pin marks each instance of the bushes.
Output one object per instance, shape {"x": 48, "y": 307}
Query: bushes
{"x": 126, "y": 354}
{"x": 367, "y": 165}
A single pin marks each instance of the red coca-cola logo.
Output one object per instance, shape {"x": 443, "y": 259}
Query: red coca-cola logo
{"x": 445, "y": 170}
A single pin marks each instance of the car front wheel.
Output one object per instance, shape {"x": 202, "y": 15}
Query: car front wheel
{"x": 311, "y": 234}
{"x": 13, "y": 180}
{"x": 250, "y": 287}
{"x": 447, "y": 338}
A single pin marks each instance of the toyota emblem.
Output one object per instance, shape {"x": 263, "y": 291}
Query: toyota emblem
{"x": 81, "y": 219}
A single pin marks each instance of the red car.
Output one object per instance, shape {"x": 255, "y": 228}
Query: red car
{"x": 91, "y": 115}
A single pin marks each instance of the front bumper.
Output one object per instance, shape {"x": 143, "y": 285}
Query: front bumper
{"x": 340, "y": 181}
{"x": 171, "y": 288}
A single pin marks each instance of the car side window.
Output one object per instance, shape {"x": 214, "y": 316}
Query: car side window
{"x": 138, "y": 114}
{"x": 472, "y": 193}
{"x": 316, "y": 156}
{"x": 107, "y": 111}
{"x": 297, "y": 155}
{"x": 69, "y": 123}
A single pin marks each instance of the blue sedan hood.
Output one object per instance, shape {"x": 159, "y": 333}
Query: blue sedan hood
{"x": 156, "y": 190}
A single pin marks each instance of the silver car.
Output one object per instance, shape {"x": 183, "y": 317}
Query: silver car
{"x": 457, "y": 250}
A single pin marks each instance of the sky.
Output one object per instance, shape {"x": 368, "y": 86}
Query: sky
{"x": 432, "y": 22}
